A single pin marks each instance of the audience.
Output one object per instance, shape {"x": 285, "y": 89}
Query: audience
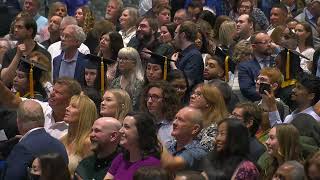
{"x": 214, "y": 55}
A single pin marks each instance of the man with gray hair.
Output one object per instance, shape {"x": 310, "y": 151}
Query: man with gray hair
{"x": 185, "y": 150}
{"x": 113, "y": 12}
{"x": 55, "y": 49}
{"x": 34, "y": 142}
{"x": 70, "y": 63}
{"x": 310, "y": 15}
{"x": 290, "y": 170}
{"x": 104, "y": 138}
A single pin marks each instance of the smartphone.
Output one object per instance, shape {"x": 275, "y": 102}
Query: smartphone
{"x": 264, "y": 87}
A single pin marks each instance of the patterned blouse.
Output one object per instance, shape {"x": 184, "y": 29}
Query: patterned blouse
{"x": 207, "y": 137}
{"x": 134, "y": 93}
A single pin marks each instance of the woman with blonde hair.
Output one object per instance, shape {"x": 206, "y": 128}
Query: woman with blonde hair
{"x": 80, "y": 115}
{"x": 210, "y": 101}
{"x": 227, "y": 32}
{"x": 131, "y": 72}
{"x": 115, "y": 103}
{"x": 282, "y": 145}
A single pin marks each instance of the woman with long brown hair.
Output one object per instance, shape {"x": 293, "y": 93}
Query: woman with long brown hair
{"x": 282, "y": 145}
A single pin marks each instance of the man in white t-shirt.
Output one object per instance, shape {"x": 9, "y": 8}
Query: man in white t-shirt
{"x": 54, "y": 109}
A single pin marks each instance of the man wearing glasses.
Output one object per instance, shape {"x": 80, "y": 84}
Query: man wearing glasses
{"x": 71, "y": 62}
{"x": 249, "y": 70}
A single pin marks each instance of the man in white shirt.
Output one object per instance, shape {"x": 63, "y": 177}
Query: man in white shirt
{"x": 55, "y": 48}
{"x": 54, "y": 109}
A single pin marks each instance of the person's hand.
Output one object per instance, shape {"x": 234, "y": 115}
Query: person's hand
{"x": 269, "y": 100}
{"x": 21, "y": 50}
{"x": 175, "y": 56}
{"x": 145, "y": 55}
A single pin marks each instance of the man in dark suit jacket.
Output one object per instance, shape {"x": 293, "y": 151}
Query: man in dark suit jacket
{"x": 70, "y": 63}
{"x": 249, "y": 70}
{"x": 34, "y": 142}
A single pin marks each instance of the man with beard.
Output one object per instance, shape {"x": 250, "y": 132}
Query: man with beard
{"x": 113, "y": 12}
{"x": 146, "y": 40}
{"x": 104, "y": 138}
{"x": 305, "y": 95}
{"x": 189, "y": 60}
{"x": 25, "y": 29}
{"x": 71, "y": 63}
{"x": 248, "y": 71}
{"x": 54, "y": 30}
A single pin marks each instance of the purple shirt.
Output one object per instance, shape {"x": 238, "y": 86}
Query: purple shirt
{"x": 123, "y": 169}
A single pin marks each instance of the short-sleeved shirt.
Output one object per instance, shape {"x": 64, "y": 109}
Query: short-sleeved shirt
{"x": 123, "y": 169}
{"x": 191, "y": 152}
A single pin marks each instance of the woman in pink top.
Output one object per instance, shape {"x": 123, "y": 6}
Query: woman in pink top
{"x": 141, "y": 146}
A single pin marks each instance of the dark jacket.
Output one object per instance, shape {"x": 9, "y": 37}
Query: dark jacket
{"x": 37, "y": 143}
{"x": 79, "y": 71}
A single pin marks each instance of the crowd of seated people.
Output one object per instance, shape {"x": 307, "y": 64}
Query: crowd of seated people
{"x": 160, "y": 89}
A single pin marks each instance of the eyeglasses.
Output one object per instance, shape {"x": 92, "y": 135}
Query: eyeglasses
{"x": 124, "y": 59}
{"x": 153, "y": 98}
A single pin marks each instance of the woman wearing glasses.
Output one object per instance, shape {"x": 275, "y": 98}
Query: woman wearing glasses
{"x": 210, "y": 101}
{"x": 131, "y": 73}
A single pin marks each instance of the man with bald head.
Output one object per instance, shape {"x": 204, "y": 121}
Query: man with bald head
{"x": 34, "y": 142}
{"x": 185, "y": 150}
{"x": 104, "y": 138}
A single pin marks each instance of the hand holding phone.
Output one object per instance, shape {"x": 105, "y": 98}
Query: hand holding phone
{"x": 264, "y": 87}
